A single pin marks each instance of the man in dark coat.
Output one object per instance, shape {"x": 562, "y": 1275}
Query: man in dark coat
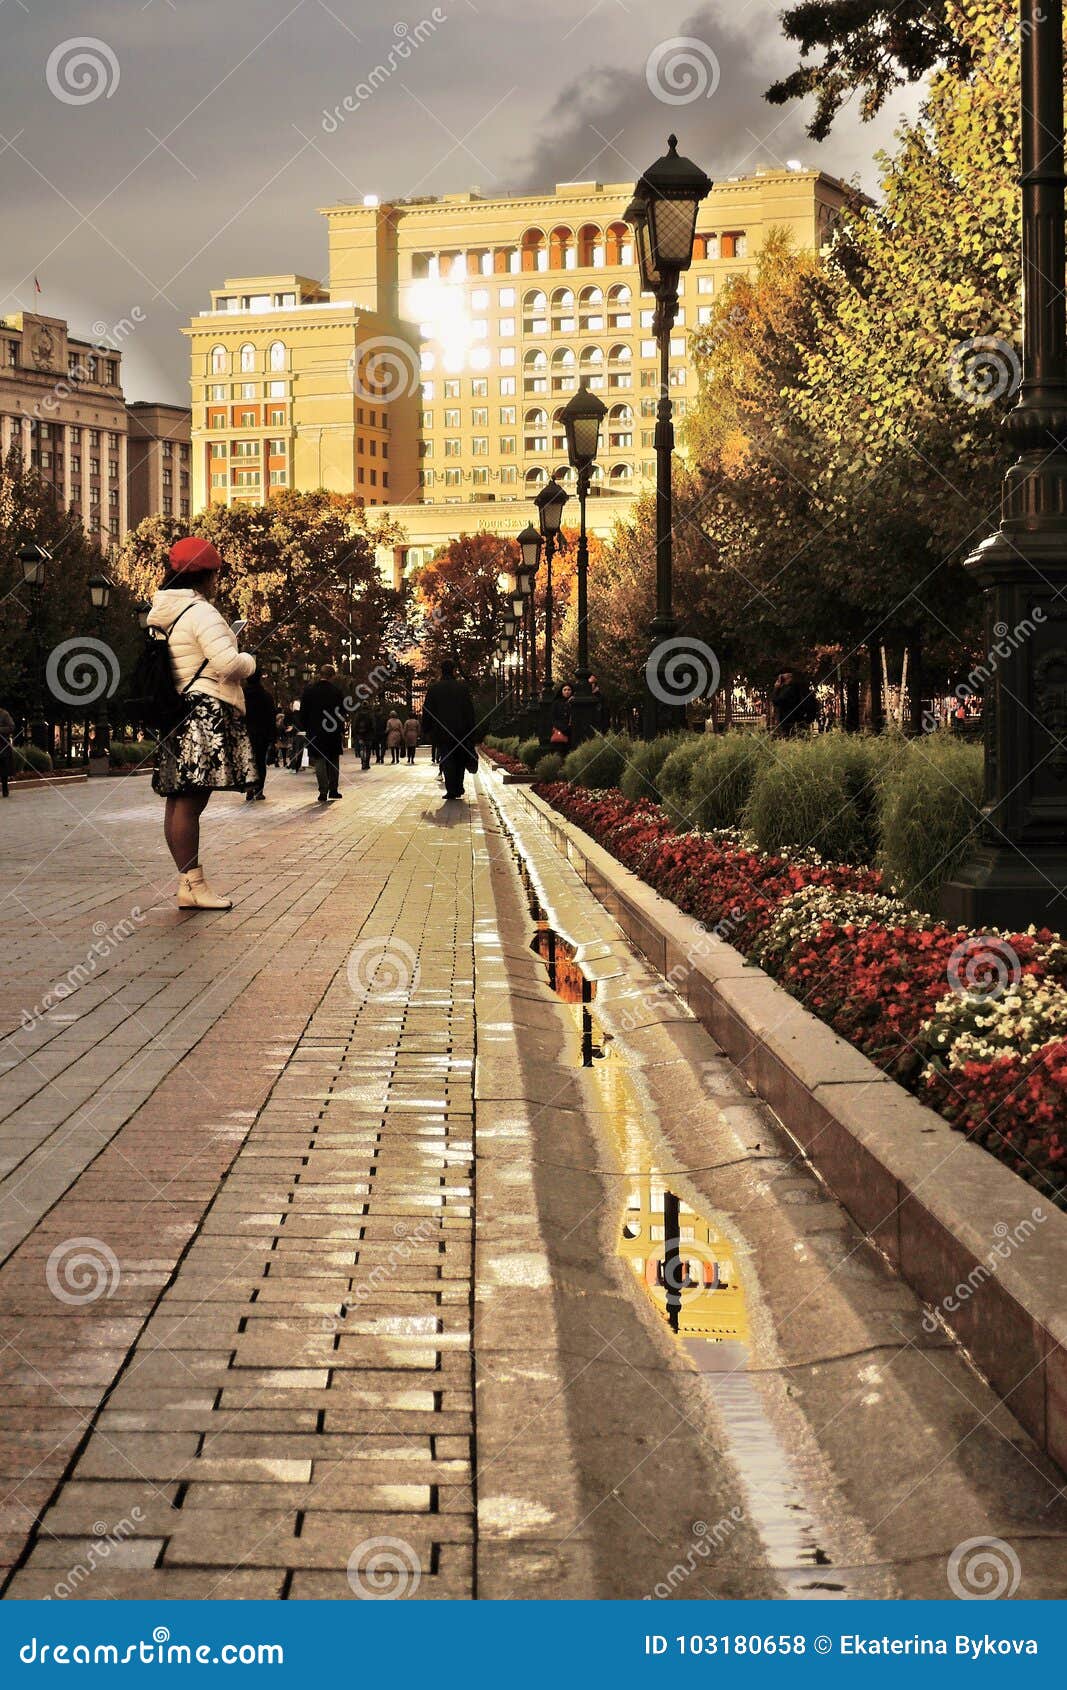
{"x": 795, "y": 705}
{"x": 322, "y": 717}
{"x": 260, "y": 716}
{"x": 363, "y": 730}
{"x": 378, "y": 735}
{"x": 448, "y": 717}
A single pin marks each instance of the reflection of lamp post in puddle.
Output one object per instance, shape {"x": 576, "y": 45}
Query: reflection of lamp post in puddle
{"x": 672, "y": 1260}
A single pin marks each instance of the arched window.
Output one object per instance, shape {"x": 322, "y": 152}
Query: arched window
{"x": 619, "y": 313}
{"x": 535, "y": 373}
{"x": 562, "y": 251}
{"x": 564, "y": 370}
{"x": 534, "y": 250}
{"x": 219, "y": 361}
{"x": 591, "y": 310}
{"x": 620, "y": 374}
{"x": 559, "y": 432}
{"x": 619, "y": 244}
{"x": 621, "y": 473}
{"x": 534, "y": 313}
{"x": 248, "y": 358}
{"x": 591, "y": 365}
{"x": 536, "y": 477}
{"x": 620, "y": 429}
{"x": 507, "y": 260}
{"x": 535, "y": 431}
{"x": 590, "y": 242}
{"x": 277, "y": 355}
{"x": 563, "y": 321}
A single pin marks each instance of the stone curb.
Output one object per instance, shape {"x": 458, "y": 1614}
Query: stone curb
{"x": 18, "y": 781}
{"x": 957, "y": 1225}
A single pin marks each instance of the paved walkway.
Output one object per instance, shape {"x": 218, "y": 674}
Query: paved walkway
{"x": 237, "y": 1165}
{"x": 314, "y": 1277}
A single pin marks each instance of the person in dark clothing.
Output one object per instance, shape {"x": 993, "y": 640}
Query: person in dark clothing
{"x": 448, "y": 715}
{"x": 795, "y": 705}
{"x": 7, "y": 751}
{"x": 378, "y": 736}
{"x": 259, "y": 720}
{"x": 562, "y": 719}
{"x": 364, "y": 730}
{"x": 322, "y": 717}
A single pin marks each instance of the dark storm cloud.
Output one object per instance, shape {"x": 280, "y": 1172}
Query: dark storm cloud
{"x": 706, "y": 79}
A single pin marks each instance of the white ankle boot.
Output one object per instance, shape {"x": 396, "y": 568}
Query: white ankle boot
{"x": 194, "y": 893}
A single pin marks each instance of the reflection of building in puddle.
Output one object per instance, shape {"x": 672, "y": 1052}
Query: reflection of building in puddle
{"x": 711, "y": 1303}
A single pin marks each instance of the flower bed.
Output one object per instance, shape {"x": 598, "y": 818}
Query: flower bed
{"x": 974, "y": 1024}
{"x": 503, "y": 760}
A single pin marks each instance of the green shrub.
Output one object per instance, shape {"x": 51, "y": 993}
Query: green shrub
{"x": 820, "y": 792}
{"x": 640, "y": 778}
{"x": 529, "y": 752}
{"x": 722, "y": 779}
{"x": 928, "y": 808}
{"x": 549, "y": 766}
{"x": 32, "y": 757}
{"x": 676, "y": 776}
{"x": 599, "y": 761}
{"x": 132, "y": 754}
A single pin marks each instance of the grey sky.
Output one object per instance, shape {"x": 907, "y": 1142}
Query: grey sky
{"x": 211, "y": 152}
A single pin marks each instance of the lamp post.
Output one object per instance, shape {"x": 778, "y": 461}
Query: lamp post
{"x": 1018, "y": 870}
{"x": 529, "y": 543}
{"x": 663, "y": 215}
{"x": 550, "y": 502}
{"x": 33, "y": 559}
{"x": 100, "y": 598}
{"x": 582, "y": 416}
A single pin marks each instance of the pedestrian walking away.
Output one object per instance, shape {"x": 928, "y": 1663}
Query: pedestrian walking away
{"x": 411, "y": 737}
{"x": 394, "y": 736}
{"x": 208, "y": 750}
{"x": 449, "y": 716}
{"x": 260, "y": 719}
{"x": 363, "y": 732}
{"x": 378, "y": 736}
{"x": 7, "y": 752}
{"x": 322, "y": 716}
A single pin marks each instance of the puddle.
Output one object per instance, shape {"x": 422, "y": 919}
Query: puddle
{"x": 686, "y": 1269}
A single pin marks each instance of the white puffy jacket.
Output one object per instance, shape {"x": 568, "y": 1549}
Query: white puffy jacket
{"x": 202, "y": 633}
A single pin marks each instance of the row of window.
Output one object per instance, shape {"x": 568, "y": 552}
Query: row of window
{"x": 248, "y": 359}
{"x": 508, "y": 475}
{"x": 247, "y": 448}
{"x": 91, "y": 368}
{"x": 562, "y": 248}
{"x": 507, "y": 415}
{"x": 256, "y": 302}
{"x": 47, "y": 459}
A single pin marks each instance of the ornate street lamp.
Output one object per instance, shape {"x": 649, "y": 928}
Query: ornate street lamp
{"x": 34, "y": 559}
{"x": 529, "y": 544}
{"x": 550, "y": 502}
{"x": 582, "y": 417}
{"x": 100, "y": 598}
{"x": 1018, "y": 871}
{"x": 663, "y": 215}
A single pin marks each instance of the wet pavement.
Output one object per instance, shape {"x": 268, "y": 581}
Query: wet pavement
{"x": 398, "y": 1233}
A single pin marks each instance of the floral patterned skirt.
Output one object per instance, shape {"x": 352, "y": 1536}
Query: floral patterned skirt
{"x": 210, "y": 750}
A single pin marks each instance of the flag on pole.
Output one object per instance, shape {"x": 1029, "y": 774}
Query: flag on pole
{"x": 36, "y": 285}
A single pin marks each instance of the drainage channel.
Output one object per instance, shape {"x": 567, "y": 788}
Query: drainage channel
{"x": 685, "y": 1266}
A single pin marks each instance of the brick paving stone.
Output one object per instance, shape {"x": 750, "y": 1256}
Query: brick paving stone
{"x": 279, "y": 1163}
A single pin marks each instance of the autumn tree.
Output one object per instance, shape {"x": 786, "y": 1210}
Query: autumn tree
{"x": 301, "y": 570}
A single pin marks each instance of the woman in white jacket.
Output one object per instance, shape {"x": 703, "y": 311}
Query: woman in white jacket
{"x": 209, "y": 751}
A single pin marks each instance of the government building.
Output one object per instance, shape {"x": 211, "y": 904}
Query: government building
{"x": 62, "y": 409}
{"x": 428, "y": 372}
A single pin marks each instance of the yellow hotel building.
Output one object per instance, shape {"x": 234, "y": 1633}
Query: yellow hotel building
{"x": 428, "y": 372}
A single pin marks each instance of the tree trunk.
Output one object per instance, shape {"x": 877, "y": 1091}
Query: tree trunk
{"x": 915, "y": 697}
{"x": 877, "y": 714}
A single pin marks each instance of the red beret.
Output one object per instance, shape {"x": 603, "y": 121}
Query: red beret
{"x": 193, "y": 555}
